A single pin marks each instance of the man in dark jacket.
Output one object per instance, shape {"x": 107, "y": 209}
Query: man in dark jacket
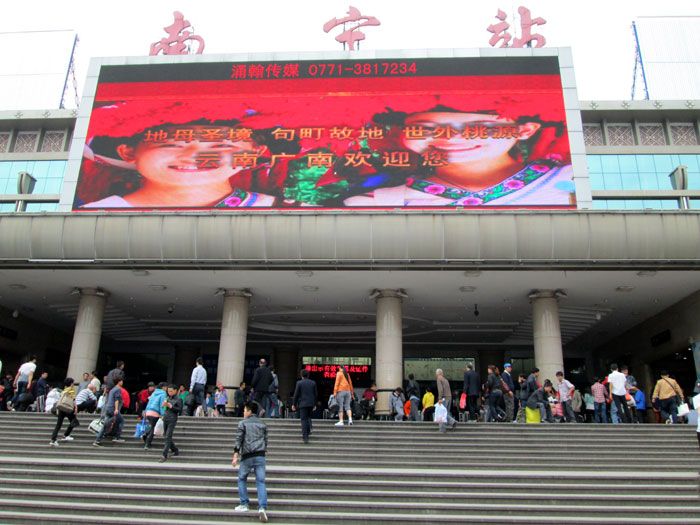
{"x": 532, "y": 383}
{"x": 539, "y": 400}
{"x": 250, "y": 447}
{"x": 413, "y": 395}
{"x": 262, "y": 379}
{"x": 305, "y": 396}
{"x": 239, "y": 398}
{"x": 111, "y": 381}
{"x": 509, "y": 397}
{"x": 173, "y": 408}
{"x": 472, "y": 388}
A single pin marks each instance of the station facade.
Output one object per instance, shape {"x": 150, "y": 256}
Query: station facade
{"x": 609, "y": 273}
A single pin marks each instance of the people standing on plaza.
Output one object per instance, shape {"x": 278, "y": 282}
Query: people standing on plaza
{"x": 8, "y": 391}
{"x": 509, "y": 397}
{"x": 66, "y": 409}
{"x": 84, "y": 383}
{"x": 95, "y": 382}
{"x": 617, "y": 381}
{"x": 273, "y": 391}
{"x": 413, "y": 395}
{"x": 533, "y": 382}
{"x": 250, "y": 448}
{"x": 428, "y": 403}
{"x": 262, "y": 379}
{"x": 173, "y": 409}
{"x": 304, "y": 399}
{"x": 343, "y": 392}
{"x": 114, "y": 422}
{"x": 539, "y": 400}
{"x": 396, "y": 403}
{"x": 39, "y": 391}
{"x": 369, "y": 402}
{"x": 523, "y": 396}
{"x": 239, "y": 399}
{"x": 220, "y": 398}
{"x": 640, "y": 400}
{"x": 445, "y": 395}
{"x": 669, "y": 395}
{"x": 495, "y": 393}
{"x": 86, "y": 401}
{"x": 599, "y": 401}
{"x": 472, "y": 388}
{"x": 24, "y": 377}
{"x": 143, "y": 395}
{"x": 111, "y": 380}
{"x": 155, "y": 408}
{"x": 198, "y": 383}
{"x": 566, "y": 391}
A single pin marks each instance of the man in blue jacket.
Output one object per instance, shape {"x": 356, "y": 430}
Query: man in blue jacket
{"x": 154, "y": 410}
{"x": 305, "y": 396}
{"x": 472, "y": 388}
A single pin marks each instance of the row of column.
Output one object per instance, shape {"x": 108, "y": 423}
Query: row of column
{"x": 389, "y": 348}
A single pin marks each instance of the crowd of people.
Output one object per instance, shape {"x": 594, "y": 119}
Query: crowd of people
{"x": 615, "y": 398}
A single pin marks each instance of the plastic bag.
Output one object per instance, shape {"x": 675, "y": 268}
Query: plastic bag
{"x": 463, "y": 401}
{"x": 332, "y": 402}
{"x": 440, "y": 413}
{"x": 158, "y": 430}
{"x": 101, "y": 402}
{"x": 96, "y": 425}
{"x": 683, "y": 409}
{"x": 141, "y": 428}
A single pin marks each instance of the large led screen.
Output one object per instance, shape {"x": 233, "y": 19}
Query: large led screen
{"x": 449, "y": 133}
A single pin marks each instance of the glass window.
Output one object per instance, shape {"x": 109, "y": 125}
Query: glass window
{"x": 48, "y": 174}
{"x": 648, "y": 181}
{"x": 630, "y": 181}
{"x": 597, "y": 181}
{"x": 670, "y": 204}
{"x": 615, "y": 204}
{"x": 602, "y": 204}
{"x": 693, "y": 180}
{"x": 663, "y": 163}
{"x": 42, "y": 206}
{"x": 612, "y": 181}
{"x": 628, "y": 163}
{"x": 695, "y": 204}
{"x": 645, "y": 162}
{"x": 691, "y": 161}
{"x": 610, "y": 164}
{"x": 594, "y": 165}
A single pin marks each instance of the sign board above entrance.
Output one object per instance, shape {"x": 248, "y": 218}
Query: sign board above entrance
{"x": 448, "y": 133}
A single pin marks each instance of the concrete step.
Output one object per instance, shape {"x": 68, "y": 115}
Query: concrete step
{"x": 347, "y": 509}
{"x": 466, "y": 445}
{"x": 112, "y": 451}
{"x": 119, "y": 493}
{"x": 283, "y": 518}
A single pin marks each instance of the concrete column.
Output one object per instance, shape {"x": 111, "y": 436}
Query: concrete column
{"x": 234, "y": 331}
{"x": 546, "y": 331}
{"x": 389, "y": 356}
{"x": 87, "y": 334}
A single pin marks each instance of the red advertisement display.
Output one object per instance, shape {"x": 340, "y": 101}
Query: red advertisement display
{"x": 444, "y": 133}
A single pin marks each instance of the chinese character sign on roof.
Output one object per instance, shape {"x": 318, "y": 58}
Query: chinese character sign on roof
{"x": 501, "y": 34}
{"x": 353, "y": 34}
{"x": 177, "y": 41}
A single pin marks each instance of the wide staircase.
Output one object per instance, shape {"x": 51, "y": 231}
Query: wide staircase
{"x": 372, "y": 472}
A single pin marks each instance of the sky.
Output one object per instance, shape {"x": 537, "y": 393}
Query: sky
{"x": 599, "y": 32}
